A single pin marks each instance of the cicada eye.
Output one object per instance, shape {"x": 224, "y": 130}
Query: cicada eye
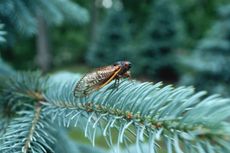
{"x": 128, "y": 65}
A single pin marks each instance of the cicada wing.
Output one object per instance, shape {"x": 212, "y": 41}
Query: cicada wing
{"x": 78, "y": 92}
{"x": 95, "y": 80}
{"x": 110, "y": 79}
{"x": 84, "y": 86}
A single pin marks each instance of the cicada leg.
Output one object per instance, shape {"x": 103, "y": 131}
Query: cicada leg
{"x": 117, "y": 82}
{"x": 129, "y": 77}
{"x": 114, "y": 85}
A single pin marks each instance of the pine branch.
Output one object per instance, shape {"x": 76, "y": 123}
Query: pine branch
{"x": 21, "y": 14}
{"x": 174, "y": 115}
{"x": 28, "y": 133}
{"x": 72, "y": 12}
{"x": 4, "y": 122}
{"x": 21, "y": 88}
{"x": 5, "y": 69}
{"x": 178, "y": 118}
{"x": 26, "y": 128}
{"x": 32, "y": 129}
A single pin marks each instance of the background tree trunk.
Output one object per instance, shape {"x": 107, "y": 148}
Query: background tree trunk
{"x": 43, "y": 57}
{"x": 93, "y": 22}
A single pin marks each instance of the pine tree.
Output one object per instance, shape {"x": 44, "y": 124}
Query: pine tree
{"x": 35, "y": 108}
{"x": 155, "y": 49}
{"x": 2, "y": 33}
{"x": 210, "y": 59}
{"x": 112, "y": 37}
{"x": 20, "y": 16}
{"x": 29, "y": 18}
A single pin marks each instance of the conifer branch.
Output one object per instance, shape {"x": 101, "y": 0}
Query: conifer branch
{"x": 28, "y": 129}
{"x": 22, "y": 88}
{"x": 3, "y": 125}
{"x": 32, "y": 129}
{"x": 141, "y": 112}
{"x": 174, "y": 115}
{"x": 29, "y": 132}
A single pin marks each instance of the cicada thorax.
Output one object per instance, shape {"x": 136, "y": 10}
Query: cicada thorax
{"x": 96, "y": 80}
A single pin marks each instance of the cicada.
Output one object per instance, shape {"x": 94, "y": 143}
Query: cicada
{"x": 100, "y": 77}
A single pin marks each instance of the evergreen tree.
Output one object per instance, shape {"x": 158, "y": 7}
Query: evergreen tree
{"x": 2, "y": 33}
{"x": 35, "y": 109}
{"x": 28, "y": 18}
{"x": 211, "y": 58}
{"x": 112, "y": 37}
{"x": 20, "y": 16}
{"x": 155, "y": 49}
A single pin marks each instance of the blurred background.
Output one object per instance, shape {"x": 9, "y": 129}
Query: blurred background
{"x": 175, "y": 41}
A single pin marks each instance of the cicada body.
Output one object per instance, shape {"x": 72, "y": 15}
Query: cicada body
{"x": 100, "y": 77}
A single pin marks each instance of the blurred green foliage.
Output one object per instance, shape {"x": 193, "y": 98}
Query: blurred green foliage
{"x": 160, "y": 37}
{"x": 211, "y": 58}
{"x": 20, "y": 16}
{"x": 112, "y": 37}
{"x": 152, "y": 34}
{"x": 71, "y": 48}
{"x": 21, "y": 19}
{"x": 23, "y": 52}
{"x": 2, "y": 33}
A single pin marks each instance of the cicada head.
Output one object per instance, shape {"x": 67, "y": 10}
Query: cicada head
{"x": 124, "y": 65}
